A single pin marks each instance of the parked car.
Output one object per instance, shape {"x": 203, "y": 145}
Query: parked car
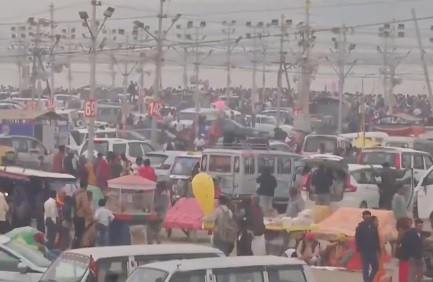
{"x": 409, "y": 142}
{"x": 333, "y": 143}
{"x": 247, "y": 268}
{"x": 162, "y": 162}
{"x": 240, "y": 131}
{"x": 131, "y": 148}
{"x": 118, "y": 262}
{"x": 268, "y": 124}
{"x": 27, "y": 150}
{"x": 359, "y": 187}
{"x": 146, "y": 135}
{"x": 19, "y": 262}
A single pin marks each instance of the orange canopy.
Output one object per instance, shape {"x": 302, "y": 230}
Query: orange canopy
{"x": 345, "y": 220}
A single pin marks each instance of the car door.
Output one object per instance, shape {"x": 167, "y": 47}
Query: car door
{"x": 9, "y": 267}
{"x": 21, "y": 146}
{"x": 283, "y": 175}
{"x": 425, "y": 196}
{"x": 372, "y": 191}
{"x": 418, "y": 166}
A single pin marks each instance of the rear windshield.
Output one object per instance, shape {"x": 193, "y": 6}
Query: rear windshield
{"x": 148, "y": 274}
{"x": 156, "y": 159}
{"x": 378, "y": 158}
{"x": 67, "y": 267}
{"x": 100, "y": 147}
{"x": 286, "y": 273}
{"x": 184, "y": 165}
{"x": 312, "y": 144}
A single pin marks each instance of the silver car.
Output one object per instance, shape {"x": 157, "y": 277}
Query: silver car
{"x": 19, "y": 262}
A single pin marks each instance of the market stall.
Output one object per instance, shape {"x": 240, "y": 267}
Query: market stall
{"x": 131, "y": 200}
{"x": 284, "y": 232}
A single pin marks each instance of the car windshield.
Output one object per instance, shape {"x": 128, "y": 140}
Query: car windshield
{"x": 148, "y": 274}
{"x": 184, "y": 165}
{"x": 312, "y": 144}
{"x": 186, "y": 116}
{"x": 378, "y": 158}
{"x": 31, "y": 255}
{"x": 67, "y": 267}
{"x": 268, "y": 120}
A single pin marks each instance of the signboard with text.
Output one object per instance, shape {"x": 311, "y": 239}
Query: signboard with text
{"x": 154, "y": 107}
{"x": 90, "y": 108}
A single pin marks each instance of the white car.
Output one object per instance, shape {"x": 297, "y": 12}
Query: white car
{"x": 19, "y": 262}
{"x": 131, "y": 148}
{"x": 269, "y": 123}
{"x": 162, "y": 162}
{"x": 354, "y": 185}
{"x": 243, "y": 268}
{"x": 187, "y": 117}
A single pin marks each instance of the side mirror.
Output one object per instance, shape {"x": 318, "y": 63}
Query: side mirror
{"x": 23, "y": 268}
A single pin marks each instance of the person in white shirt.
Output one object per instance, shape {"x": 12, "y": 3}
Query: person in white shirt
{"x": 51, "y": 215}
{"x": 103, "y": 218}
{"x": 4, "y": 209}
{"x": 199, "y": 143}
{"x": 179, "y": 126}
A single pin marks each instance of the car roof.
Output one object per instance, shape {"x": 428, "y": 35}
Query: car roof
{"x": 4, "y": 239}
{"x": 128, "y": 250}
{"x": 114, "y": 140}
{"x": 202, "y": 110}
{"x": 222, "y": 262}
{"x": 324, "y": 135}
{"x": 97, "y": 130}
{"x": 353, "y": 167}
{"x": 166, "y": 153}
{"x": 392, "y": 150}
{"x": 405, "y": 139}
{"x": 248, "y": 151}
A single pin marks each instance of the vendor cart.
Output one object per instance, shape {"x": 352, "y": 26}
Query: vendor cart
{"x": 280, "y": 238}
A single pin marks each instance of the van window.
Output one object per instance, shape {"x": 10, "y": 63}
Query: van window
{"x": 189, "y": 276}
{"x": 428, "y": 180}
{"x": 239, "y": 274}
{"x": 405, "y": 160}
{"x": 364, "y": 176}
{"x": 203, "y": 164}
{"x": 286, "y": 274}
{"x": 237, "y": 165}
{"x": 20, "y": 145}
{"x": 146, "y": 147}
{"x": 378, "y": 158}
{"x": 266, "y": 161}
{"x": 418, "y": 162}
{"x": 284, "y": 165}
{"x": 428, "y": 162}
{"x": 220, "y": 163}
{"x": 119, "y": 148}
{"x": 135, "y": 150}
{"x": 249, "y": 165}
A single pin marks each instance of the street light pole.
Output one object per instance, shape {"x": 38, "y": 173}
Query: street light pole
{"x": 52, "y": 59}
{"x": 93, "y": 31}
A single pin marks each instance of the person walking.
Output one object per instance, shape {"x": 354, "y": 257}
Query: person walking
{"x": 412, "y": 251}
{"x": 387, "y": 188}
{"x": 58, "y": 160}
{"x": 161, "y": 206}
{"x": 4, "y": 210}
{"x": 82, "y": 212}
{"x": 254, "y": 216}
{"x": 368, "y": 245}
{"x": 67, "y": 223}
{"x": 267, "y": 184}
{"x": 51, "y": 215}
{"x": 399, "y": 205}
{"x": 322, "y": 182}
{"x": 244, "y": 239}
{"x": 103, "y": 217}
{"x": 102, "y": 172}
{"x": 225, "y": 228}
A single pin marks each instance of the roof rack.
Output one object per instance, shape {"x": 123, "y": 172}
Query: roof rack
{"x": 239, "y": 146}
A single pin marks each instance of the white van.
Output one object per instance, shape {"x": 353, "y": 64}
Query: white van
{"x": 236, "y": 170}
{"x": 117, "y": 263}
{"x": 409, "y": 142}
{"x": 228, "y": 269}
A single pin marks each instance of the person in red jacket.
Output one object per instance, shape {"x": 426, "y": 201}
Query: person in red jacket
{"x": 58, "y": 160}
{"x": 147, "y": 171}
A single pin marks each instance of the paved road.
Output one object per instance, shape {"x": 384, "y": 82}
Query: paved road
{"x": 337, "y": 276}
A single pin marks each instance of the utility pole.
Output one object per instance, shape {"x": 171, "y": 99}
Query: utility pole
{"x": 306, "y": 68}
{"x": 185, "y": 68}
{"x": 283, "y": 31}
{"x": 422, "y": 52}
{"x": 229, "y": 31}
{"x": 93, "y": 34}
{"x": 52, "y": 58}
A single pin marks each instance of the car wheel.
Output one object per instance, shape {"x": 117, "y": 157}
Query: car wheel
{"x": 363, "y": 205}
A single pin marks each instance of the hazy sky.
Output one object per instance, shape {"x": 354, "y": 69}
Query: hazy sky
{"x": 324, "y": 13}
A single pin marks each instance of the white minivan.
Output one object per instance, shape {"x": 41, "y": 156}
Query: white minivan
{"x": 228, "y": 269}
{"x": 117, "y": 263}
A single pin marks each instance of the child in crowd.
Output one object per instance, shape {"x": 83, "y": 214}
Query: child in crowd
{"x": 103, "y": 218}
